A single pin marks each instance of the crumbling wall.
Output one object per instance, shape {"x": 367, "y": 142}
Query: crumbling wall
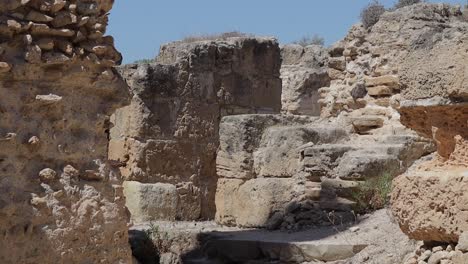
{"x": 429, "y": 200}
{"x": 169, "y": 133}
{"x": 61, "y": 200}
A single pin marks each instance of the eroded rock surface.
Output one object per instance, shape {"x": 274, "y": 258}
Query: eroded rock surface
{"x": 304, "y": 72}
{"x": 61, "y": 200}
{"x": 428, "y": 200}
{"x": 361, "y": 105}
{"x": 287, "y": 171}
{"x": 169, "y": 133}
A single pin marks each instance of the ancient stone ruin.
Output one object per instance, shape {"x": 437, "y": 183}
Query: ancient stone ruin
{"x": 233, "y": 149}
{"x": 169, "y": 135}
{"x": 61, "y": 199}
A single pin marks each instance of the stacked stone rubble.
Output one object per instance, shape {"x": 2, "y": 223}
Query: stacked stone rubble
{"x": 56, "y": 32}
{"x": 61, "y": 199}
{"x": 168, "y": 136}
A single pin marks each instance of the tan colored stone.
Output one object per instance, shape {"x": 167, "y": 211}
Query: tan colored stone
{"x": 386, "y": 80}
{"x": 38, "y": 17}
{"x": 45, "y": 43}
{"x": 162, "y": 140}
{"x": 4, "y": 67}
{"x": 427, "y": 203}
{"x": 64, "y": 18}
{"x": 47, "y": 175}
{"x": 149, "y": 202}
{"x": 364, "y": 124}
{"x": 380, "y": 91}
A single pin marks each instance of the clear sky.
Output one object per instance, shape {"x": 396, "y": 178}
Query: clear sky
{"x": 141, "y": 26}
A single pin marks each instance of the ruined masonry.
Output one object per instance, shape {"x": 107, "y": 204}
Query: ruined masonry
{"x": 61, "y": 200}
{"x": 347, "y": 115}
{"x": 100, "y": 163}
{"x": 169, "y": 135}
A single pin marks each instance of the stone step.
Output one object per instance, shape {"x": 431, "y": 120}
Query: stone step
{"x": 237, "y": 250}
{"x": 210, "y": 243}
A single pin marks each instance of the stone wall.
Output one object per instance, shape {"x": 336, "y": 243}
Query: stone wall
{"x": 303, "y": 72}
{"x": 429, "y": 200}
{"x": 169, "y": 133}
{"x": 364, "y": 84}
{"x": 61, "y": 199}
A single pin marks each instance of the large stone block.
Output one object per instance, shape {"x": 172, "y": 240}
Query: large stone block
{"x": 150, "y": 202}
{"x": 254, "y": 202}
{"x": 235, "y": 157}
{"x": 432, "y": 205}
{"x": 279, "y": 153}
{"x": 169, "y": 133}
{"x": 303, "y": 73}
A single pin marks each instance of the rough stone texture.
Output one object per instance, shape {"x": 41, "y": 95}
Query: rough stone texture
{"x": 428, "y": 201}
{"x": 169, "y": 133}
{"x": 303, "y": 72}
{"x": 287, "y": 171}
{"x": 438, "y": 201}
{"x": 150, "y": 202}
{"x": 438, "y": 253}
{"x": 61, "y": 199}
{"x": 374, "y": 83}
{"x": 242, "y": 135}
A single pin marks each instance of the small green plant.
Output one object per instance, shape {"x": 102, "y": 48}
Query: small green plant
{"x": 373, "y": 194}
{"x": 310, "y": 40}
{"x": 371, "y": 14}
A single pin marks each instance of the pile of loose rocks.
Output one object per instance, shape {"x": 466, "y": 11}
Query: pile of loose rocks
{"x": 56, "y": 32}
{"x": 441, "y": 253}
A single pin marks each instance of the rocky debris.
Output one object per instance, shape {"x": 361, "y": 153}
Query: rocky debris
{"x": 169, "y": 133}
{"x": 438, "y": 253}
{"x": 55, "y": 115}
{"x": 304, "y": 72}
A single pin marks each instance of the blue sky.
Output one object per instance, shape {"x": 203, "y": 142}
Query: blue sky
{"x": 141, "y": 26}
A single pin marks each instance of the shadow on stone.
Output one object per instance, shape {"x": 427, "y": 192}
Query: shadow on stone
{"x": 143, "y": 248}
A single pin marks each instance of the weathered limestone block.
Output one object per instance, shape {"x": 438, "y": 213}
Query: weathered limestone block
{"x": 437, "y": 119}
{"x": 428, "y": 200}
{"x": 169, "y": 132}
{"x": 431, "y": 204}
{"x": 241, "y": 136}
{"x": 279, "y": 153}
{"x": 366, "y": 164}
{"x": 149, "y": 202}
{"x": 363, "y": 124}
{"x": 303, "y": 72}
{"x": 252, "y": 203}
{"x": 302, "y": 150}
